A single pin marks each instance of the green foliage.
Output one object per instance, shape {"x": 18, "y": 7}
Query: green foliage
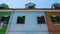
{"x": 56, "y": 5}
{"x": 31, "y": 7}
{"x": 3, "y": 6}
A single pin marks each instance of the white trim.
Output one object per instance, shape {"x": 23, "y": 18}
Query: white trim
{"x": 40, "y": 16}
{"x": 53, "y": 15}
{"x": 20, "y": 16}
{"x": 30, "y": 10}
{"x": 56, "y": 24}
{"x": 6, "y": 10}
{"x": 37, "y": 10}
{"x": 5, "y": 15}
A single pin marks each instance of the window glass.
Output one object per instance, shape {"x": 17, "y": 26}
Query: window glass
{"x": 41, "y": 20}
{"x": 21, "y": 20}
{"x": 55, "y": 19}
{"x": 5, "y": 19}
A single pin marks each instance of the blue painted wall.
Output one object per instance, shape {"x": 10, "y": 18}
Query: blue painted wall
{"x": 30, "y": 25}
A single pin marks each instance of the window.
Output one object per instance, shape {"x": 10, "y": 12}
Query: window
{"x": 5, "y": 19}
{"x": 41, "y": 20}
{"x": 21, "y": 20}
{"x": 55, "y": 19}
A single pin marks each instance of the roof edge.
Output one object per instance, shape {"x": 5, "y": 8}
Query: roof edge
{"x": 29, "y": 9}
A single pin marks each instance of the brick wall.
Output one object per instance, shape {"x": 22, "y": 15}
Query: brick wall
{"x": 52, "y": 28}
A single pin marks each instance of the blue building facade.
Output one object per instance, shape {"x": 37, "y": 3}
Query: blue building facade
{"x": 30, "y": 25}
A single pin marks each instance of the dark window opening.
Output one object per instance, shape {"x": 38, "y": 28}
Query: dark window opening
{"x": 5, "y": 19}
{"x": 41, "y": 20}
{"x": 55, "y": 19}
{"x": 21, "y": 20}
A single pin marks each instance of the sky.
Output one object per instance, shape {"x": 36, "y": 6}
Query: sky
{"x": 21, "y": 3}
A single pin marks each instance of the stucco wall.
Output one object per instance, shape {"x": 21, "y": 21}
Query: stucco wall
{"x": 30, "y": 25}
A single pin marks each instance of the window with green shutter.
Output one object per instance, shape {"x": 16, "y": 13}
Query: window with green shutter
{"x": 55, "y": 19}
{"x": 5, "y": 19}
{"x": 21, "y": 20}
{"x": 41, "y": 20}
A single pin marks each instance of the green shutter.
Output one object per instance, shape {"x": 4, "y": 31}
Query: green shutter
{"x": 23, "y": 19}
{"x": 43, "y": 20}
{"x": 51, "y": 18}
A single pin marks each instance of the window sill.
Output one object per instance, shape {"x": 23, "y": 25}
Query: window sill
{"x": 41, "y": 23}
{"x": 56, "y": 24}
{"x": 19, "y": 23}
